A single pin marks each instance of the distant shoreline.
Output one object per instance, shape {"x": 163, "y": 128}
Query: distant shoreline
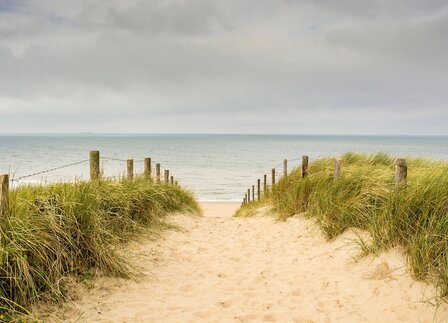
{"x": 225, "y": 134}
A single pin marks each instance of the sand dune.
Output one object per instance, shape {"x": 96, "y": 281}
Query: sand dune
{"x": 223, "y": 269}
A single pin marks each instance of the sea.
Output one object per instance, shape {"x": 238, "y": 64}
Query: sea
{"x": 214, "y": 167}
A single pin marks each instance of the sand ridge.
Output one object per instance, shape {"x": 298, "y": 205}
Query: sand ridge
{"x": 224, "y": 269}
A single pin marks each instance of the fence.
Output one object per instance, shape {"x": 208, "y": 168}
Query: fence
{"x": 401, "y": 173}
{"x": 95, "y": 174}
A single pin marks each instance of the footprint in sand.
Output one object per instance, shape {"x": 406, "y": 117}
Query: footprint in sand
{"x": 202, "y": 314}
{"x": 270, "y": 318}
{"x": 222, "y": 275}
{"x": 302, "y": 320}
{"x": 259, "y": 280}
{"x": 225, "y": 304}
{"x": 197, "y": 280}
{"x": 246, "y": 318}
{"x": 294, "y": 293}
{"x": 187, "y": 288}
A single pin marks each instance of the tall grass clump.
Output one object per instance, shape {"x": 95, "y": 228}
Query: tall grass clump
{"x": 250, "y": 209}
{"x": 57, "y": 230}
{"x": 413, "y": 216}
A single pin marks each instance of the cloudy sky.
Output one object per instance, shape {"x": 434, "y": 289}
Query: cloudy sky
{"x": 233, "y": 66}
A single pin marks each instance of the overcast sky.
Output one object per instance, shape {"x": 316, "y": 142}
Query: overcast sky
{"x": 224, "y": 66}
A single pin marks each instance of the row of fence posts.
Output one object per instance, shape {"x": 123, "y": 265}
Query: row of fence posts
{"x": 147, "y": 169}
{"x": 247, "y": 197}
{"x": 95, "y": 174}
{"x": 401, "y": 174}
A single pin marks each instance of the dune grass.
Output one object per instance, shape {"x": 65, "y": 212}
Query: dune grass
{"x": 251, "y": 208}
{"x": 57, "y": 230}
{"x": 414, "y": 216}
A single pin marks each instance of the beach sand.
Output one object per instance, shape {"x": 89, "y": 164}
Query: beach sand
{"x": 224, "y": 269}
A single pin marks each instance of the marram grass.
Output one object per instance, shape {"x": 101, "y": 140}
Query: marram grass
{"x": 414, "y": 216}
{"x": 57, "y": 230}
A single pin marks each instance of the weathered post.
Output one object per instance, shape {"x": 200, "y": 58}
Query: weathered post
{"x": 337, "y": 168}
{"x": 147, "y": 167}
{"x": 285, "y": 167}
{"x": 273, "y": 177}
{"x": 245, "y": 198}
{"x": 94, "y": 165}
{"x": 172, "y": 180}
{"x": 4, "y": 194}
{"x": 265, "y": 184}
{"x": 401, "y": 172}
{"x": 253, "y": 193}
{"x": 305, "y": 160}
{"x": 258, "y": 189}
{"x": 158, "y": 172}
{"x": 130, "y": 168}
{"x": 248, "y": 195}
{"x": 167, "y": 176}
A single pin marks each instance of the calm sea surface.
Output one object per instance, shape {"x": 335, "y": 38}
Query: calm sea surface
{"x": 214, "y": 167}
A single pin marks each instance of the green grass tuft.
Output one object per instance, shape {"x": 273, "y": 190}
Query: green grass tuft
{"x": 67, "y": 229}
{"x": 250, "y": 209}
{"x": 365, "y": 196}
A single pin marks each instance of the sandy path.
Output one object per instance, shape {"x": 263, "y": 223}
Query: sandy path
{"x": 222, "y": 269}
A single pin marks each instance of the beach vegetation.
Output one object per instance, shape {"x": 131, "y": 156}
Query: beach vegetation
{"x": 413, "y": 215}
{"x": 52, "y": 232}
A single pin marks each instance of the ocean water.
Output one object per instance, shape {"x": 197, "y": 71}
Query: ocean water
{"x": 214, "y": 167}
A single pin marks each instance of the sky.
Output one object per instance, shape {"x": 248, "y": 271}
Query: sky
{"x": 233, "y": 66}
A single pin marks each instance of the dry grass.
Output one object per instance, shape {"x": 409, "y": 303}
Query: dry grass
{"x": 414, "y": 217}
{"x": 67, "y": 229}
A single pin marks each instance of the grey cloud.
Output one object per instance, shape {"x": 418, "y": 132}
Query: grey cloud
{"x": 193, "y": 17}
{"x": 424, "y": 40}
{"x": 234, "y": 66}
{"x": 386, "y": 9}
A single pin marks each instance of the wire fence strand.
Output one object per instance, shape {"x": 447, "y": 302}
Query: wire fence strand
{"x": 113, "y": 159}
{"x": 48, "y": 170}
{"x": 122, "y": 160}
{"x": 18, "y": 179}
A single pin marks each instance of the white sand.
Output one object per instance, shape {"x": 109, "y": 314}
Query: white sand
{"x": 222, "y": 269}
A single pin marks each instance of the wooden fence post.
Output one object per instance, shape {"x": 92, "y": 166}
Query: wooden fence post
{"x": 285, "y": 167}
{"x": 258, "y": 189}
{"x": 248, "y": 195}
{"x": 158, "y": 172}
{"x": 4, "y": 194}
{"x": 273, "y": 177}
{"x": 130, "y": 168}
{"x": 147, "y": 167}
{"x": 94, "y": 165}
{"x": 401, "y": 172}
{"x": 337, "y": 168}
{"x": 253, "y": 193}
{"x": 305, "y": 160}
{"x": 265, "y": 184}
{"x": 167, "y": 176}
{"x": 172, "y": 180}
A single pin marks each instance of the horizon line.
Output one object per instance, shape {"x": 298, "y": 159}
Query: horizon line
{"x": 221, "y": 134}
